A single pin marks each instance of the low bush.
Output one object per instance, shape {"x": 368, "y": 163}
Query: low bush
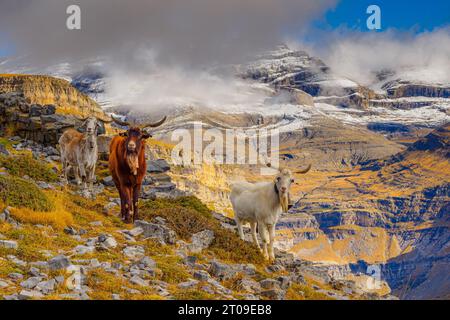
{"x": 20, "y": 193}
{"x": 25, "y": 164}
{"x": 188, "y": 215}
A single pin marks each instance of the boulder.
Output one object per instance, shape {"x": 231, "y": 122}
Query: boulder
{"x": 30, "y": 294}
{"x": 30, "y": 283}
{"x": 108, "y": 181}
{"x": 201, "y": 275}
{"x": 201, "y": 240}
{"x": 157, "y": 166}
{"x": 157, "y": 231}
{"x": 269, "y": 284}
{"x": 134, "y": 252}
{"x": 222, "y": 271}
{"x": 274, "y": 294}
{"x": 147, "y": 262}
{"x": 9, "y": 244}
{"x": 248, "y": 285}
{"x": 58, "y": 262}
{"x": 46, "y": 287}
{"x": 106, "y": 242}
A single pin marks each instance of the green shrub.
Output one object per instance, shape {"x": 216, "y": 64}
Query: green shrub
{"x": 188, "y": 215}
{"x": 25, "y": 164}
{"x": 17, "y": 192}
{"x": 189, "y": 202}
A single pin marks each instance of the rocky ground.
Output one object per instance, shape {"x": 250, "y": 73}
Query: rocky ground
{"x": 78, "y": 248}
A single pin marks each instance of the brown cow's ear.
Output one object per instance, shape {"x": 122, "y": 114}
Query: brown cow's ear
{"x": 146, "y": 135}
{"x": 123, "y": 134}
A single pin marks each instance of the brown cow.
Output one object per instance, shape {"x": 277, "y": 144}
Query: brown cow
{"x": 128, "y": 166}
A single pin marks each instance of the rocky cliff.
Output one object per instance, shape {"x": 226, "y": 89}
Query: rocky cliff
{"x": 45, "y": 90}
{"x": 40, "y": 108}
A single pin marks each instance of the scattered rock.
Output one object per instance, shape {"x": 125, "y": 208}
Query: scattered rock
{"x": 14, "y": 296}
{"x": 284, "y": 282}
{"x": 30, "y": 283}
{"x": 134, "y": 252}
{"x": 58, "y": 262}
{"x": 46, "y": 287}
{"x": 222, "y": 271}
{"x": 274, "y": 294}
{"x": 159, "y": 232}
{"x": 147, "y": 262}
{"x": 81, "y": 249}
{"x": 201, "y": 240}
{"x": 248, "y": 285}
{"x": 30, "y": 294}
{"x": 188, "y": 284}
{"x": 201, "y": 275}
{"x": 269, "y": 284}
{"x": 134, "y": 232}
{"x": 9, "y": 244}
{"x": 139, "y": 281}
{"x": 71, "y": 231}
{"x": 44, "y": 185}
{"x": 157, "y": 166}
{"x": 108, "y": 181}
{"x": 108, "y": 207}
{"x": 106, "y": 242}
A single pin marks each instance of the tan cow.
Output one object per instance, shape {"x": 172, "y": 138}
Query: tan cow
{"x": 79, "y": 152}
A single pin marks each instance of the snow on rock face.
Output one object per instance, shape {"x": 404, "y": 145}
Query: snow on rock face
{"x": 286, "y": 67}
{"x": 430, "y": 115}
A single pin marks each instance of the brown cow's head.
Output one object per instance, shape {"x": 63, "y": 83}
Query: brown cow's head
{"x": 135, "y": 140}
{"x": 134, "y": 137}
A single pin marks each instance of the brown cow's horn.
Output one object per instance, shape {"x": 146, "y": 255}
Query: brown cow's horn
{"x": 153, "y": 125}
{"x": 119, "y": 122}
{"x": 305, "y": 170}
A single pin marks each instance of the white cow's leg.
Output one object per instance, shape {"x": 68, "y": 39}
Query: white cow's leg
{"x": 239, "y": 227}
{"x": 76, "y": 173}
{"x": 83, "y": 175}
{"x": 264, "y": 238}
{"x": 271, "y": 229}
{"x": 255, "y": 238}
{"x": 65, "y": 171}
{"x": 91, "y": 176}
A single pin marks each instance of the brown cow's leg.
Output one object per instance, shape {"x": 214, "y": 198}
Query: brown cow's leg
{"x": 122, "y": 199}
{"x": 136, "y": 192}
{"x": 122, "y": 204}
{"x": 128, "y": 204}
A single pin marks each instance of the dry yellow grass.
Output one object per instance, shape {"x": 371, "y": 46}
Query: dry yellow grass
{"x": 57, "y": 218}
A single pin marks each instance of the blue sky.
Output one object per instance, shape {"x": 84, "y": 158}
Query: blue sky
{"x": 417, "y": 15}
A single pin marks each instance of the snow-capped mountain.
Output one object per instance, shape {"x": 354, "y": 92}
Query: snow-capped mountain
{"x": 278, "y": 78}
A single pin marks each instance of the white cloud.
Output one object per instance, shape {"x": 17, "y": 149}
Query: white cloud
{"x": 357, "y": 55}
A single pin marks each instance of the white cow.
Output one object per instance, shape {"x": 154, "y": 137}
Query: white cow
{"x": 261, "y": 204}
